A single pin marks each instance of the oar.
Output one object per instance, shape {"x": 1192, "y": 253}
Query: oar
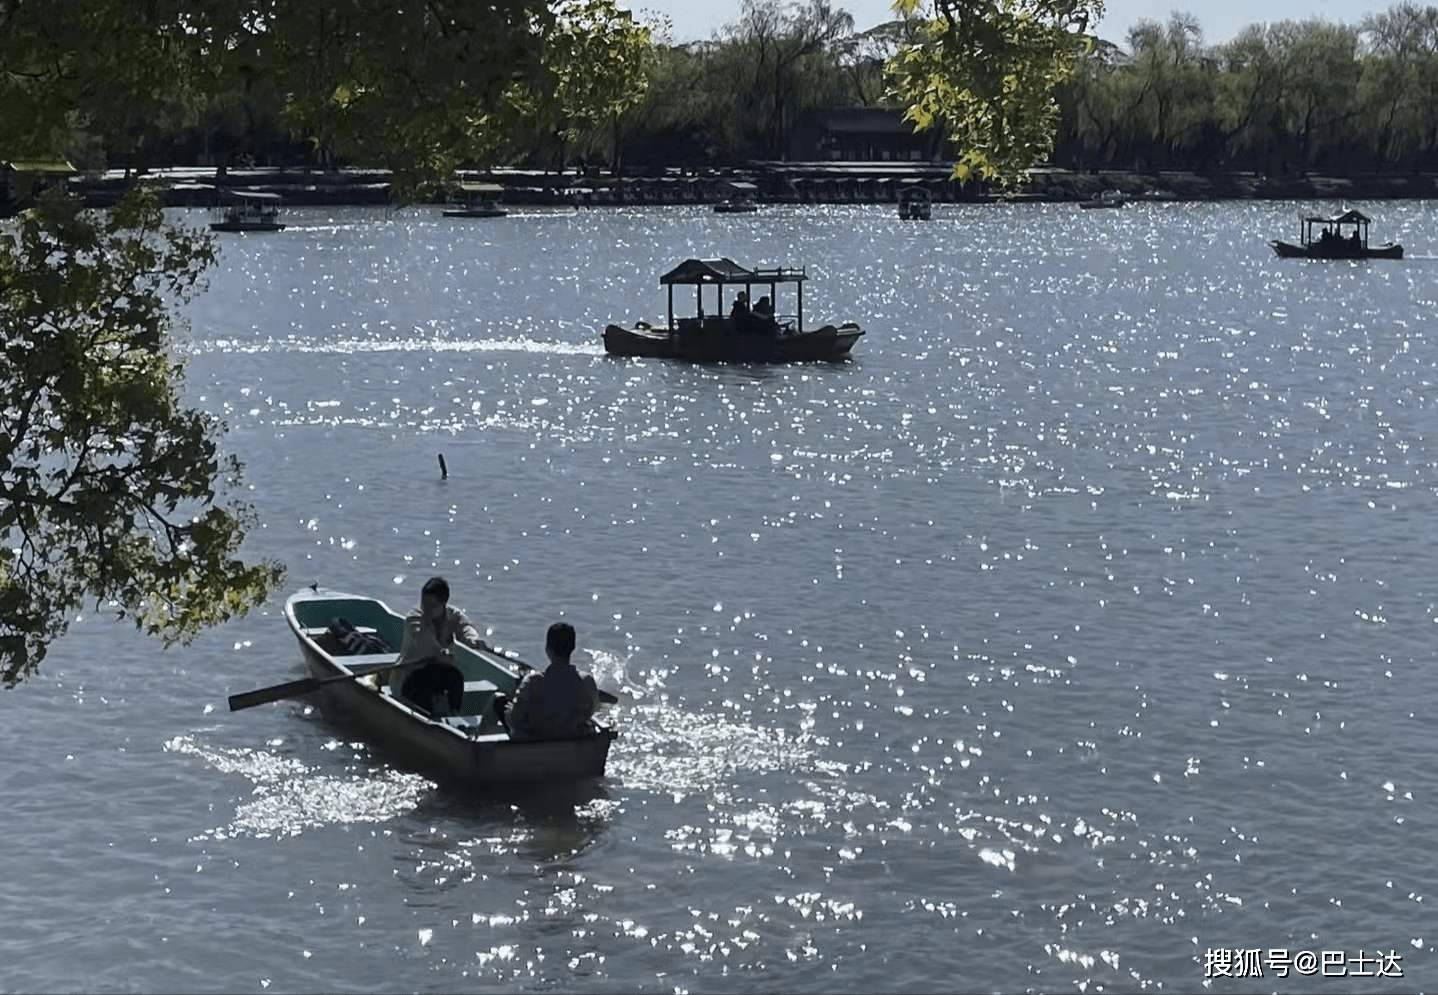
{"x": 294, "y": 689}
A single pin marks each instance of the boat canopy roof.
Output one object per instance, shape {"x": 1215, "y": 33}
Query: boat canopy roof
{"x": 489, "y": 189}
{"x": 1349, "y": 217}
{"x": 255, "y": 195}
{"x": 722, "y": 271}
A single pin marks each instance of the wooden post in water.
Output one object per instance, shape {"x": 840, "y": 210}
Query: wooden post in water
{"x": 443, "y": 470}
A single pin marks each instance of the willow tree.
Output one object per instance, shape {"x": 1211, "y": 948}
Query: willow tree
{"x": 986, "y": 71}
{"x": 1172, "y": 84}
{"x": 1319, "y": 103}
{"x": 114, "y": 488}
{"x": 779, "y": 60}
{"x": 676, "y": 117}
{"x": 1398, "y": 91}
{"x": 1249, "y": 99}
{"x": 1092, "y": 108}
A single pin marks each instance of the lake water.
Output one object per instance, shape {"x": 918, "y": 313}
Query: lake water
{"x": 1075, "y": 636}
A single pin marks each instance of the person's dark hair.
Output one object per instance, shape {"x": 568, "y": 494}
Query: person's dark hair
{"x": 438, "y": 588}
{"x": 560, "y": 639}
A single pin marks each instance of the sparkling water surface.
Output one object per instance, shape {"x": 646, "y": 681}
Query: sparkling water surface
{"x": 1079, "y": 630}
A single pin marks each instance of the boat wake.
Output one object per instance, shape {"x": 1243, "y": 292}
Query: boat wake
{"x": 290, "y": 797}
{"x": 356, "y": 346}
{"x": 670, "y": 751}
{"x": 608, "y": 671}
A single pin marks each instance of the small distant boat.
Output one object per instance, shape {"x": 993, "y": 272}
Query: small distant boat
{"x": 915, "y": 203}
{"x": 472, "y": 747}
{"x": 741, "y": 202}
{"x": 248, "y": 210}
{"x": 736, "y": 205}
{"x": 476, "y": 200}
{"x": 743, "y": 335}
{"x": 1343, "y": 236}
{"x": 1108, "y": 198}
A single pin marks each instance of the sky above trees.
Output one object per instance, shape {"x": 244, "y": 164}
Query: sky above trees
{"x": 1220, "y": 19}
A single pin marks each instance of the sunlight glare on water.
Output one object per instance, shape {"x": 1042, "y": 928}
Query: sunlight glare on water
{"x": 1076, "y": 628}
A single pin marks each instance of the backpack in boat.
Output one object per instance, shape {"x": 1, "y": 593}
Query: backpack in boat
{"x": 352, "y": 642}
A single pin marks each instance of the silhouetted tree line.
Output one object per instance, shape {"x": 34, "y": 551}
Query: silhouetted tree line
{"x": 1280, "y": 97}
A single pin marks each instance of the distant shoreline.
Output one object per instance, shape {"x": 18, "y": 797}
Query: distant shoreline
{"x": 776, "y": 183}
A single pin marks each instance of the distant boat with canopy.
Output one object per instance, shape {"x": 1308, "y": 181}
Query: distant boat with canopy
{"x": 746, "y": 333}
{"x": 248, "y": 210}
{"x": 476, "y": 200}
{"x": 1343, "y": 236}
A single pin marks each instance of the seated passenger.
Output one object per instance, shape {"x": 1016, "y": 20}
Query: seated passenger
{"x": 764, "y": 316}
{"x": 558, "y": 702}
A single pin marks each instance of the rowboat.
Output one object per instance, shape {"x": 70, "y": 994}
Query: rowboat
{"x": 744, "y": 335}
{"x": 1343, "y": 236}
{"x": 471, "y": 747}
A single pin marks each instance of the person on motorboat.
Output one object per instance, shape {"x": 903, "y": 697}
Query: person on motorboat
{"x": 427, "y": 675}
{"x": 557, "y": 702}
{"x": 747, "y": 321}
{"x": 764, "y": 312}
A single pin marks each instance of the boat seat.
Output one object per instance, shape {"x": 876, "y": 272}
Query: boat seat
{"x": 314, "y": 632}
{"x": 476, "y": 716}
{"x": 367, "y": 661}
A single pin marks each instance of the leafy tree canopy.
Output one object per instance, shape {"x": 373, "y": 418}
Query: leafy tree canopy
{"x": 112, "y": 487}
{"x": 986, "y": 71}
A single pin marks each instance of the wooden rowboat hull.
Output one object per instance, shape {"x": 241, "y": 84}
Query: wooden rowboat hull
{"x": 472, "y": 748}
